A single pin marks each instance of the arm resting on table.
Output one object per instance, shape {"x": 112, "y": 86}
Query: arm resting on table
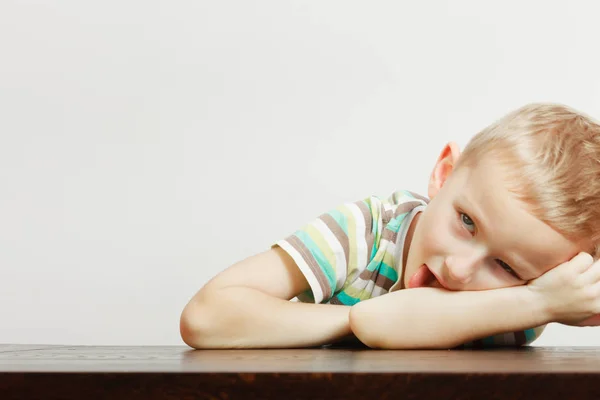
{"x": 431, "y": 318}
{"x": 241, "y": 317}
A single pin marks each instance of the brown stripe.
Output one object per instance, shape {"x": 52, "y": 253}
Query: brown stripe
{"x": 313, "y": 265}
{"x": 384, "y": 282}
{"x": 335, "y": 300}
{"x": 368, "y": 217}
{"x": 366, "y": 275}
{"x": 418, "y": 196}
{"x": 380, "y": 280}
{"x": 389, "y": 235}
{"x": 520, "y": 338}
{"x": 387, "y": 216}
{"x": 406, "y": 207}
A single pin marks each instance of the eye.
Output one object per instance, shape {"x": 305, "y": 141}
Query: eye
{"x": 507, "y": 268}
{"x": 467, "y": 222}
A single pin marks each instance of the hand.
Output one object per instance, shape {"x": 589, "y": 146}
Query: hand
{"x": 570, "y": 291}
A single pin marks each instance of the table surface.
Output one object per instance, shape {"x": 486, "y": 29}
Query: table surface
{"x": 544, "y": 360}
{"x": 152, "y": 372}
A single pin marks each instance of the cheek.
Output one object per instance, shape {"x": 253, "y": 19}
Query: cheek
{"x": 437, "y": 237}
{"x": 490, "y": 277}
{"x": 494, "y": 283}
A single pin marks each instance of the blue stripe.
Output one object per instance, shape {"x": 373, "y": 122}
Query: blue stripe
{"x": 530, "y": 335}
{"x": 388, "y": 272}
{"x": 383, "y": 269}
{"x": 341, "y": 219}
{"x": 488, "y": 341}
{"x": 393, "y": 225}
{"x": 346, "y": 299}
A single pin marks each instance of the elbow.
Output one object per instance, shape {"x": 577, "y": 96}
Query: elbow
{"x": 360, "y": 321}
{"x": 186, "y": 331}
{"x": 192, "y": 326}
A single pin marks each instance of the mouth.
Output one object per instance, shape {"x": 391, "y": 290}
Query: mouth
{"x": 439, "y": 280}
{"x": 425, "y": 277}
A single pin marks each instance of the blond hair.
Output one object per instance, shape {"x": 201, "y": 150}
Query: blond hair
{"x": 552, "y": 155}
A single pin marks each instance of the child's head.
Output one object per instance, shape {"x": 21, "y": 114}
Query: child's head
{"x": 551, "y": 155}
{"x": 522, "y": 198}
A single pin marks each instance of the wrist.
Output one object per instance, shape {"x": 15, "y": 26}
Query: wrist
{"x": 540, "y": 303}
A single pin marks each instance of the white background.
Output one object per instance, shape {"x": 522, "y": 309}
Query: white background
{"x": 148, "y": 145}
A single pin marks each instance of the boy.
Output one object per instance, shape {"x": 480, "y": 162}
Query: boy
{"x": 506, "y": 245}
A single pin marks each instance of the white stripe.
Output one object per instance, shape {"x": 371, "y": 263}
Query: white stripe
{"x": 362, "y": 256}
{"x": 341, "y": 266}
{"x": 310, "y": 277}
{"x": 360, "y": 283}
{"x": 386, "y": 208}
{"x": 406, "y": 197}
{"x": 378, "y": 291}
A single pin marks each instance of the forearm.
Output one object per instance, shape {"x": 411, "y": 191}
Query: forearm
{"x": 437, "y": 318}
{"x": 240, "y": 317}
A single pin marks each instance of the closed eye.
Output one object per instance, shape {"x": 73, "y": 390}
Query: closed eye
{"x": 508, "y": 268}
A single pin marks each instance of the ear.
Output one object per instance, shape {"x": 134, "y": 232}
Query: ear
{"x": 443, "y": 167}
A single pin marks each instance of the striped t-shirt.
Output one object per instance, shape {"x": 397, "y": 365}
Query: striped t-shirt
{"x": 354, "y": 252}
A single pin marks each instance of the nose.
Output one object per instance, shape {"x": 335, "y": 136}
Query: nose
{"x": 461, "y": 268}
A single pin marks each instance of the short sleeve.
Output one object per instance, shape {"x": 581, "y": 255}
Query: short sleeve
{"x": 335, "y": 246}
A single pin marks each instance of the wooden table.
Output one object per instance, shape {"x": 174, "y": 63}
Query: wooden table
{"x": 178, "y": 372}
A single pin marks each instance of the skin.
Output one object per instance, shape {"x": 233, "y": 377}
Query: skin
{"x": 475, "y": 235}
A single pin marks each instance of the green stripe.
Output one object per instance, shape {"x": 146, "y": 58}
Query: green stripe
{"x": 319, "y": 257}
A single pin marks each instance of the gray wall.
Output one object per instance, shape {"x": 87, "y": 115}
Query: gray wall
{"x": 147, "y": 145}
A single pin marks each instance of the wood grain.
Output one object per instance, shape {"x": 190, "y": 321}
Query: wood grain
{"x": 178, "y": 372}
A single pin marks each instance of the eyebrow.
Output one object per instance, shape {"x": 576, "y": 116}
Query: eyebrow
{"x": 475, "y": 216}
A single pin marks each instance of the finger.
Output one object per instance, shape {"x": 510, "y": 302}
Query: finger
{"x": 592, "y": 274}
{"x": 581, "y": 262}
